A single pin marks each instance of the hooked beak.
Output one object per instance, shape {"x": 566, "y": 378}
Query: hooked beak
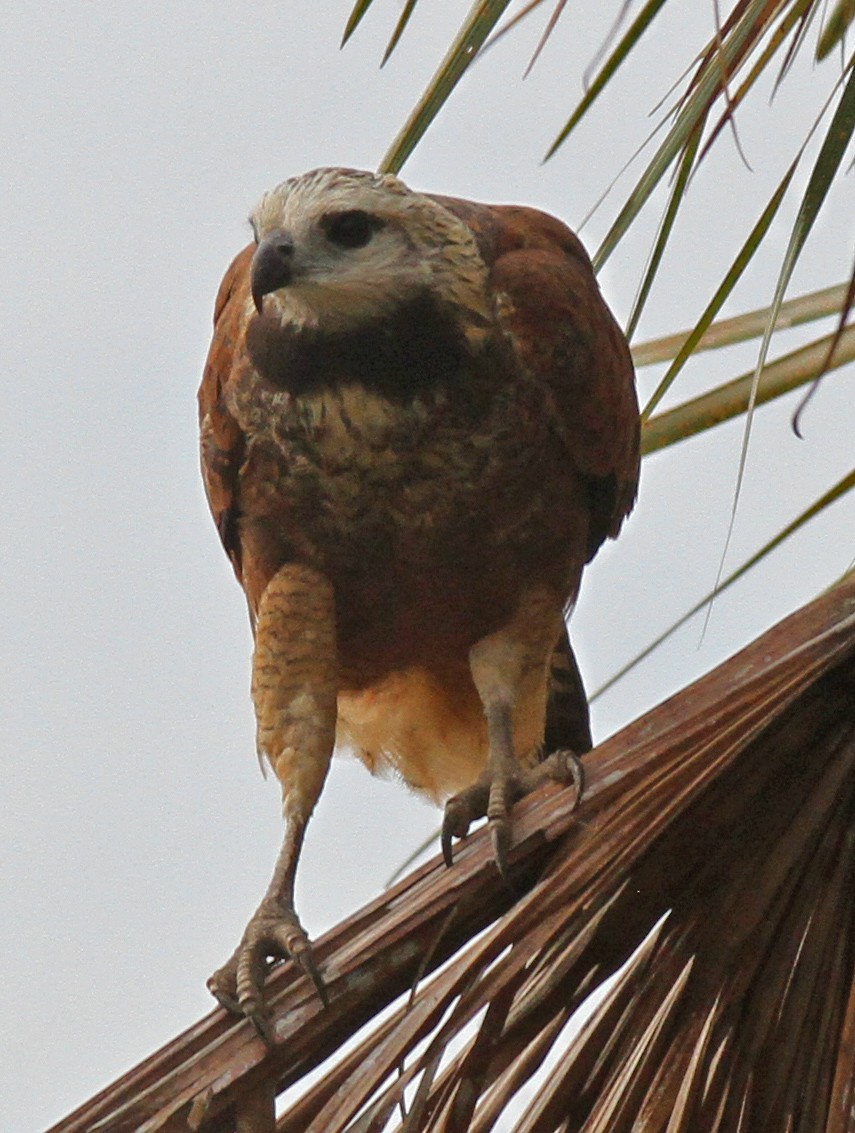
{"x": 272, "y": 265}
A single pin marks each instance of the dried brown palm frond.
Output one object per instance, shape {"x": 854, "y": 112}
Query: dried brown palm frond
{"x": 705, "y": 885}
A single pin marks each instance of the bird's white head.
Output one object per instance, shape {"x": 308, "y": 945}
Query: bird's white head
{"x": 337, "y": 247}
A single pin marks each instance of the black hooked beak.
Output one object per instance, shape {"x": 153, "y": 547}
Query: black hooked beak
{"x": 272, "y": 265}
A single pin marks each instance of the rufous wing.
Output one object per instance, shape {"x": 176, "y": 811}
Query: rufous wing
{"x": 568, "y": 343}
{"x": 222, "y": 441}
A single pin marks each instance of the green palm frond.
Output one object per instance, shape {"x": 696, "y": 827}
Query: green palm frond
{"x": 406, "y": 12}
{"x": 846, "y": 306}
{"x": 835, "y": 493}
{"x": 618, "y": 56}
{"x": 723, "y": 291}
{"x": 842, "y": 15}
{"x": 480, "y": 22}
{"x": 755, "y": 38}
{"x": 732, "y": 398}
{"x": 666, "y": 226}
{"x": 355, "y": 19}
{"x": 755, "y": 34}
{"x": 825, "y": 168}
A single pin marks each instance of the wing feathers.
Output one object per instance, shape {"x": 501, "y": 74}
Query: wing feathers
{"x": 567, "y": 341}
{"x": 222, "y": 441}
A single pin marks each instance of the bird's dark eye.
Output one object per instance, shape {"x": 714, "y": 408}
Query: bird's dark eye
{"x": 352, "y": 229}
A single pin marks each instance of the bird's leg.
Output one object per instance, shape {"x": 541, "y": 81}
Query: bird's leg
{"x": 294, "y": 687}
{"x": 509, "y": 668}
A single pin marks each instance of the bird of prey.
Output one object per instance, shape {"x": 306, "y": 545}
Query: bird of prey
{"x": 418, "y": 424}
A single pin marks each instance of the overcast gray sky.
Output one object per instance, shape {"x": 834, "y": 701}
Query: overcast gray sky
{"x": 136, "y": 832}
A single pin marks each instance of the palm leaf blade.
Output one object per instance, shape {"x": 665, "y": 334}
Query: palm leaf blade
{"x": 724, "y": 289}
{"x": 670, "y": 215}
{"x": 705, "y": 89}
{"x": 481, "y": 20}
{"x": 709, "y": 869}
{"x": 403, "y": 20}
{"x": 732, "y": 398}
{"x": 618, "y": 56}
{"x": 834, "y": 300}
{"x": 825, "y": 168}
{"x": 355, "y": 19}
{"x": 835, "y": 28}
{"x": 836, "y": 492}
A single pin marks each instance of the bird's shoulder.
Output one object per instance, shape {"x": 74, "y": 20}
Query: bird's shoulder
{"x": 222, "y": 439}
{"x": 566, "y": 340}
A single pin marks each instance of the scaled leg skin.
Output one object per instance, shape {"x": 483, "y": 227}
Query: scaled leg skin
{"x": 294, "y": 688}
{"x": 510, "y": 671}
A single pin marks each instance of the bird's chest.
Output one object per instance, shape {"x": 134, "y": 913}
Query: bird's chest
{"x": 355, "y": 472}
{"x": 429, "y": 517}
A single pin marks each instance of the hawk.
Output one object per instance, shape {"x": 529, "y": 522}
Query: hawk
{"x": 418, "y": 424}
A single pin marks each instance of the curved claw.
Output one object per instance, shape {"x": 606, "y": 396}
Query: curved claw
{"x": 565, "y": 766}
{"x": 306, "y": 960}
{"x": 455, "y": 824}
{"x": 239, "y": 985}
{"x": 215, "y": 986}
{"x": 446, "y": 844}
{"x": 492, "y": 797}
{"x": 503, "y": 792}
{"x": 461, "y": 810}
{"x": 577, "y": 773}
{"x": 500, "y": 836}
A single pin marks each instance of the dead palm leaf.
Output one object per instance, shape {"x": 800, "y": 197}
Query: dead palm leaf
{"x": 705, "y": 885}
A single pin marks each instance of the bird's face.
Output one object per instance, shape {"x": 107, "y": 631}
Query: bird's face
{"x": 338, "y": 247}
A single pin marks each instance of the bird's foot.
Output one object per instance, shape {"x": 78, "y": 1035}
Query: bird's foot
{"x": 492, "y": 796}
{"x": 273, "y": 933}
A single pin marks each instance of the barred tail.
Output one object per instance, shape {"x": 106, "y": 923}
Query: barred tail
{"x": 567, "y": 720}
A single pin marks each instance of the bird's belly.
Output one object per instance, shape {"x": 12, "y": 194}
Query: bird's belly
{"x": 412, "y": 725}
{"x": 430, "y": 730}
{"x": 429, "y": 525}
{"x": 430, "y": 528}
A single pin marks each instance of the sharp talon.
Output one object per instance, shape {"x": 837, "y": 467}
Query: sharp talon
{"x": 307, "y": 962}
{"x": 261, "y": 1023}
{"x": 500, "y": 836}
{"x": 498, "y": 805}
{"x": 455, "y": 823}
{"x": 577, "y": 772}
{"x": 222, "y": 997}
{"x": 446, "y": 844}
{"x": 566, "y": 767}
{"x": 450, "y": 831}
